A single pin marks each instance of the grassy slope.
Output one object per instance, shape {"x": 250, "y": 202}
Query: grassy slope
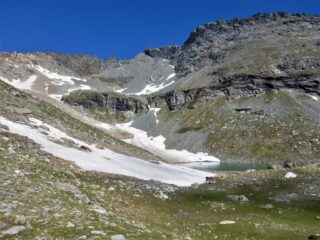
{"x": 284, "y": 132}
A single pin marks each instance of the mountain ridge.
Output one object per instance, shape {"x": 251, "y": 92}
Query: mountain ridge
{"x": 239, "y": 60}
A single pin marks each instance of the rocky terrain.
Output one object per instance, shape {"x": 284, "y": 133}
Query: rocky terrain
{"x": 267, "y": 65}
{"x": 128, "y": 149}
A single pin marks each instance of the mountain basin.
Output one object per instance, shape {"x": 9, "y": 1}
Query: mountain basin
{"x": 226, "y": 166}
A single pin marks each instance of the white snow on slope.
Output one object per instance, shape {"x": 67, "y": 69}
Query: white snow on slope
{"x": 81, "y": 87}
{"x": 70, "y": 90}
{"x": 156, "y": 145}
{"x": 57, "y": 78}
{"x": 155, "y": 112}
{"x": 17, "y": 83}
{"x": 290, "y": 175}
{"x": 103, "y": 160}
{"x": 171, "y": 76}
{"x": 120, "y": 90}
{"x": 314, "y": 97}
{"x": 152, "y": 88}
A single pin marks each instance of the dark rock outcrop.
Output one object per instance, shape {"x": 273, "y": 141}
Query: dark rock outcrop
{"x": 235, "y": 87}
{"x": 168, "y": 52}
{"x": 89, "y": 99}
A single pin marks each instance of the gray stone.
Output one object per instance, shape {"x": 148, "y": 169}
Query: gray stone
{"x": 238, "y": 198}
{"x": 289, "y": 164}
{"x": 20, "y": 219}
{"x": 14, "y": 230}
{"x": 68, "y": 187}
{"x": 266, "y": 206}
{"x": 118, "y": 237}
{"x": 3, "y": 225}
{"x": 22, "y": 111}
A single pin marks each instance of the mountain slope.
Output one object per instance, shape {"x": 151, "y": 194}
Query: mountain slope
{"x": 102, "y": 149}
{"x": 243, "y": 89}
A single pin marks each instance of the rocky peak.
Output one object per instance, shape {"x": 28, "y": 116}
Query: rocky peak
{"x": 222, "y": 26}
{"x": 210, "y": 43}
{"x": 168, "y": 52}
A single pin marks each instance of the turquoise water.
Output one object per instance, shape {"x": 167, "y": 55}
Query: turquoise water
{"x": 224, "y": 166}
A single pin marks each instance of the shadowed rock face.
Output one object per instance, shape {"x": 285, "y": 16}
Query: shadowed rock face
{"x": 89, "y": 99}
{"x": 233, "y": 87}
{"x": 169, "y": 52}
{"x": 236, "y": 87}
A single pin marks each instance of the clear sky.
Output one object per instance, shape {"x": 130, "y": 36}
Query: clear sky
{"x": 119, "y": 28}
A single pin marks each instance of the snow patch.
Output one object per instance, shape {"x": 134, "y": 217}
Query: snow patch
{"x": 57, "y": 78}
{"x": 290, "y": 175}
{"x": 121, "y": 90}
{"x": 103, "y": 160}
{"x": 171, "y": 76}
{"x": 81, "y": 87}
{"x": 156, "y": 145}
{"x": 155, "y": 112}
{"x": 152, "y": 88}
{"x": 226, "y": 222}
{"x": 17, "y": 83}
{"x": 59, "y": 96}
{"x": 314, "y": 97}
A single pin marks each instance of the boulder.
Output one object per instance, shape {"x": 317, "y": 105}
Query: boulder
{"x": 118, "y": 237}
{"x": 22, "y": 111}
{"x": 290, "y": 175}
{"x": 289, "y": 164}
{"x": 14, "y": 230}
{"x": 267, "y": 206}
{"x": 314, "y": 237}
{"x": 238, "y": 198}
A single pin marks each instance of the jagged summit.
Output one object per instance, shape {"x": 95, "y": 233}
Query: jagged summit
{"x": 263, "y": 45}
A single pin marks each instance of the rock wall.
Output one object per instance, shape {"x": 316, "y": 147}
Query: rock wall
{"x": 89, "y": 99}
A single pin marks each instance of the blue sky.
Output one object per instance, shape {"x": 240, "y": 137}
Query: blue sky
{"x": 119, "y": 28}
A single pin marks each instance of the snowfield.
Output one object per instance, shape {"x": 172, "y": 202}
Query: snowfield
{"x": 152, "y": 88}
{"x": 51, "y": 140}
{"x": 68, "y": 83}
{"x": 17, "y": 83}
{"x": 157, "y": 146}
{"x": 56, "y": 78}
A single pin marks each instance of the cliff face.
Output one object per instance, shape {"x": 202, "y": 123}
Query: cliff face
{"x": 236, "y": 87}
{"x": 237, "y": 58}
{"x": 117, "y": 102}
